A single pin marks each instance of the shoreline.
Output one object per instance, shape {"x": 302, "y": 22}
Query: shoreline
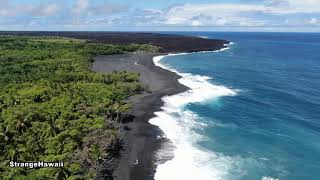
{"x": 142, "y": 140}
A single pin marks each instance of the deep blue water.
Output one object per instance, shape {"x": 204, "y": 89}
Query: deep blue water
{"x": 271, "y": 128}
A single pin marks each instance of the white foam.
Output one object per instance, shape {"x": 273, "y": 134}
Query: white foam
{"x": 227, "y": 46}
{"x": 223, "y": 49}
{"x": 268, "y": 178}
{"x": 204, "y": 37}
{"x": 189, "y": 161}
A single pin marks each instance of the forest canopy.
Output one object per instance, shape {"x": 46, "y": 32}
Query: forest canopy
{"x": 54, "y": 108}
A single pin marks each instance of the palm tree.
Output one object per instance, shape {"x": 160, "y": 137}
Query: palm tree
{"x": 34, "y": 145}
{"x": 12, "y": 153}
{"x": 60, "y": 147}
{"x": 27, "y": 152}
{"x": 119, "y": 108}
{"x": 22, "y": 125}
{"x": 6, "y": 133}
{"x": 22, "y": 122}
{"x": 94, "y": 156}
{"x": 95, "y": 152}
{"x": 52, "y": 129}
{"x": 61, "y": 173}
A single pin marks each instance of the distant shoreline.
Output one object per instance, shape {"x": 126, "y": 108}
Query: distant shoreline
{"x": 142, "y": 140}
{"x": 168, "y": 43}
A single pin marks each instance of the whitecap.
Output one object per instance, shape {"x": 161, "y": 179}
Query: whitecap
{"x": 268, "y": 178}
{"x": 203, "y": 37}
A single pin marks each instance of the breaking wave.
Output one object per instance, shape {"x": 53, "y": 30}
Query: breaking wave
{"x": 188, "y": 160}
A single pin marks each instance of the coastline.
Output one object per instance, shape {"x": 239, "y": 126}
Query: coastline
{"x": 142, "y": 140}
{"x": 199, "y": 132}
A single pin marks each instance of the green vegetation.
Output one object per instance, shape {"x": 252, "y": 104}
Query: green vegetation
{"x": 53, "y": 108}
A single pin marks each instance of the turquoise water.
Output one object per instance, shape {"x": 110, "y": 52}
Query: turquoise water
{"x": 253, "y": 112}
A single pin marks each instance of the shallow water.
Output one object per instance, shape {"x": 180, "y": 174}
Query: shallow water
{"x": 253, "y": 111}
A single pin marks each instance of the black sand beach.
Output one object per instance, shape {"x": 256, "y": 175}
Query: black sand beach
{"x": 141, "y": 140}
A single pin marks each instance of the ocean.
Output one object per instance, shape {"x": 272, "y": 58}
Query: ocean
{"x": 253, "y": 111}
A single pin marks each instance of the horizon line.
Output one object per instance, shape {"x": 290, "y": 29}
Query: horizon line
{"x": 151, "y": 31}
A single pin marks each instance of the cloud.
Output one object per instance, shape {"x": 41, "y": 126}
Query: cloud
{"x": 45, "y": 9}
{"x": 277, "y": 3}
{"x": 5, "y": 10}
{"x": 203, "y": 15}
{"x": 108, "y": 9}
{"x": 80, "y": 6}
{"x": 313, "y": 21}
{"x": 253, "y": 14}
{"x": 48, "y": 9}
{"x": 83, "y": 7}
{"x": 89, "y": 13}
{"x": 294, "y": 6}
{"x": 211, "y": 14}
{"x": 56, "y": 13}
{"x": 105, "y": 14}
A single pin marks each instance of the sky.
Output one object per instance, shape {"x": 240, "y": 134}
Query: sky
{"x": 161, "y": 15}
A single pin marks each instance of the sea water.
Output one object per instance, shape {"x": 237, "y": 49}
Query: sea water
{"x": 252, "y": 111}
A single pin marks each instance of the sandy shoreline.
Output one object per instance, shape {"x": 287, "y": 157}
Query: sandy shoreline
{"x": 141, "y": 139}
